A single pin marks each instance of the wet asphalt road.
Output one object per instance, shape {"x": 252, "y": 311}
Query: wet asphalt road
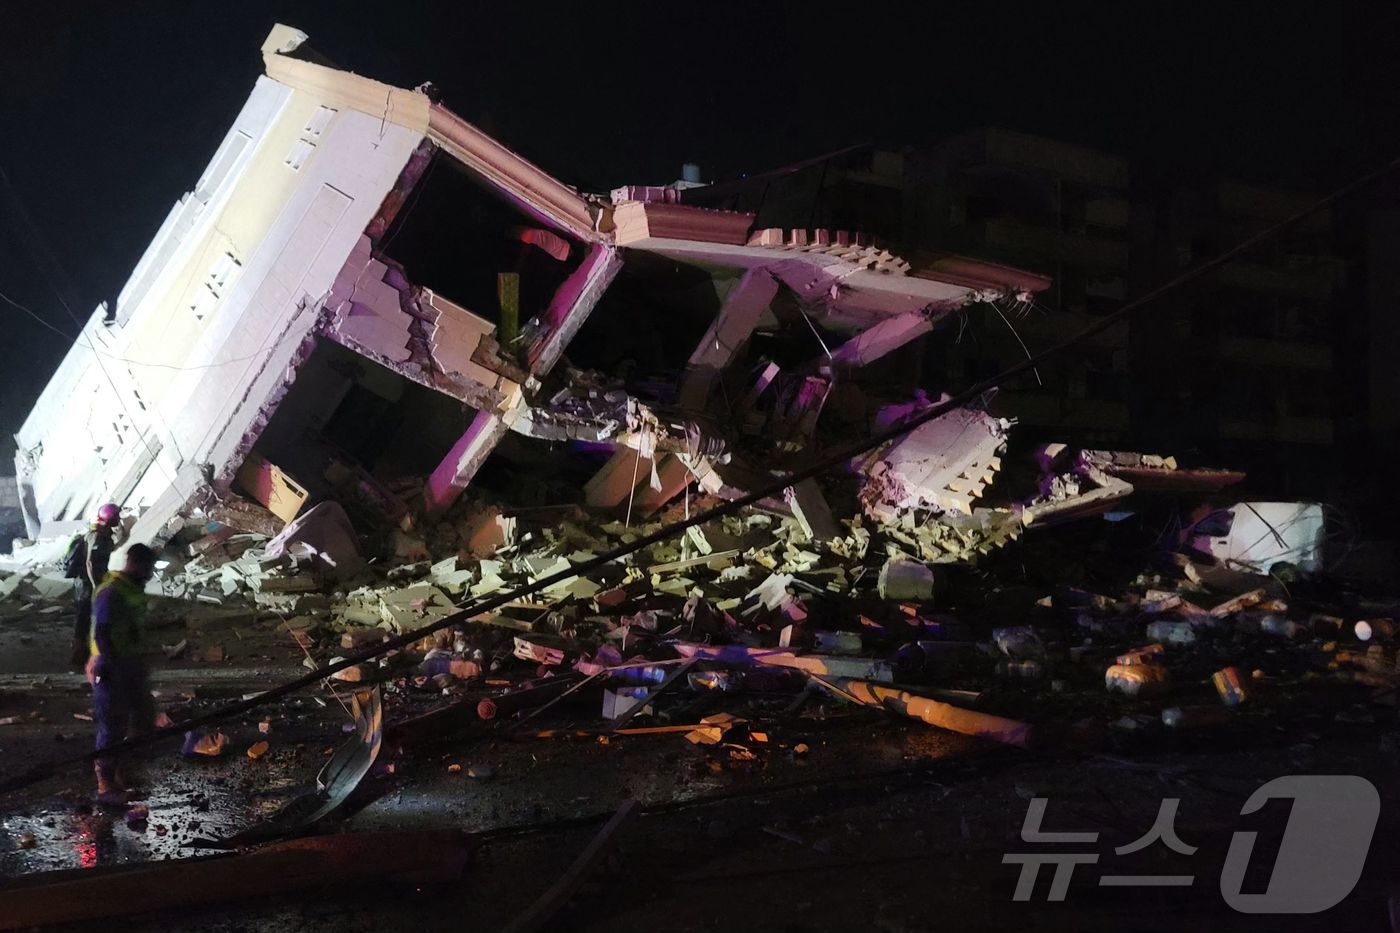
{"x": 882, "y": 824}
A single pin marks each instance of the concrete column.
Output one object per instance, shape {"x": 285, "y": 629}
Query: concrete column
{"x": 456, "y": 470}
{"x": 572, "y": 303}
{"x": 727, "y": 335}
{"x": 674, "y": 477}
{"x": 625, "y": 471}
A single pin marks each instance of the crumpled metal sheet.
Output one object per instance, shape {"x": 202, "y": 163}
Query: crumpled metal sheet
{"x": 336, "y": 781}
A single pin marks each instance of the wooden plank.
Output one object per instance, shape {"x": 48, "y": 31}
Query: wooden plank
{"x": 702, "y": 560}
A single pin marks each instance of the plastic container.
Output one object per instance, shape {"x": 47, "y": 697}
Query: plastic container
{"x": 1230, "y": 686}
{"x": 648, "y": 674}
{"x": 1136, "y": 679}
{"x": 1147, "y": 654}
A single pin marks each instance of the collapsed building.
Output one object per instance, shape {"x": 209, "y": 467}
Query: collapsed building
{"x": 365, "y": 291}
{"x": 365, "y": 301}
{"x": 302, "y": 308}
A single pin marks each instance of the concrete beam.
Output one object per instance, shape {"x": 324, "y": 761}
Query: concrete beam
{"x": 882, "y": 339}
{"x": 527, "y": 185}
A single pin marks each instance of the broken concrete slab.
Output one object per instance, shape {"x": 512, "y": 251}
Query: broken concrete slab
{"x": 943, "y": 464}
{"x": 906, "y": 580}
{"x": 323, "y": 537}
{"x": 447, "y": 574}
{"x": 51, "y": 586}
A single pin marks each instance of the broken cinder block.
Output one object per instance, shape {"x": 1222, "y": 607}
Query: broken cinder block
{"x": 902, "y": 580}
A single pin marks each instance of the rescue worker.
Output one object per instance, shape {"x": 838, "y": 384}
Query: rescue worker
{"x": 121, "y": 695}
{"x": 96, "y": 550}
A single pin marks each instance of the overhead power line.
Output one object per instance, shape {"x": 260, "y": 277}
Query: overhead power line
{"x": 52, "y": 272}
{"x": 36, "y": 316}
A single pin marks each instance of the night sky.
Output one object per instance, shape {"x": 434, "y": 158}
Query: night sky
{"x": 111, "y": 110}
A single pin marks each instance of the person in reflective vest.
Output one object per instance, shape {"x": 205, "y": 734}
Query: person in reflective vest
{"x": 121, "y": 694}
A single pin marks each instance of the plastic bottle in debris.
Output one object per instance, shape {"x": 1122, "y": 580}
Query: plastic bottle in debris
{"x": 1018, "y": 642}
{"x": 648, "y": 674}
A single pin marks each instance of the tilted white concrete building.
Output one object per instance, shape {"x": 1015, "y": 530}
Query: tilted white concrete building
{"x": 270, "y": 309}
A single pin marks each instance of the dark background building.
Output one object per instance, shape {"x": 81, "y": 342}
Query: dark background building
{"x": 1281, "y": 362}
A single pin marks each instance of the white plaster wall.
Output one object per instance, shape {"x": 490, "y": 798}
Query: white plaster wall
{"x": 186, "y": 384}
{"x": 346, "y": 181}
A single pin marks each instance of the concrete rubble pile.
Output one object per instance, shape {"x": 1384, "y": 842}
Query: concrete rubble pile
{"x": 723, "y": 629}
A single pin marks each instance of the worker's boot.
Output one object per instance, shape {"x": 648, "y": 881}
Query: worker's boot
{"x": 128, "y": 778}
{"x": 110, "y": 791}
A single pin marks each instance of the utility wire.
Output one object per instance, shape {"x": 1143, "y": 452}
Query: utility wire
{"x": 35, "y": 315}
{"x": 842, "y": 456}
{"x": 47, "y": 265}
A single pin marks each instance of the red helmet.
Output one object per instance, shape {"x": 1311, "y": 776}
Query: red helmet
{"x": 109, "y": 514}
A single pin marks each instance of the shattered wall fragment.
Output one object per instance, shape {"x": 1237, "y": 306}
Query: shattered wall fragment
{"x": 943, "y": 464}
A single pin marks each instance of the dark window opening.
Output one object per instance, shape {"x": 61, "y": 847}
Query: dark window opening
{"x": 455, "y": 236}
{"x": 648, "y": 322}
{"x": 343, "y": 407}
{"x": 982, "y": 207}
